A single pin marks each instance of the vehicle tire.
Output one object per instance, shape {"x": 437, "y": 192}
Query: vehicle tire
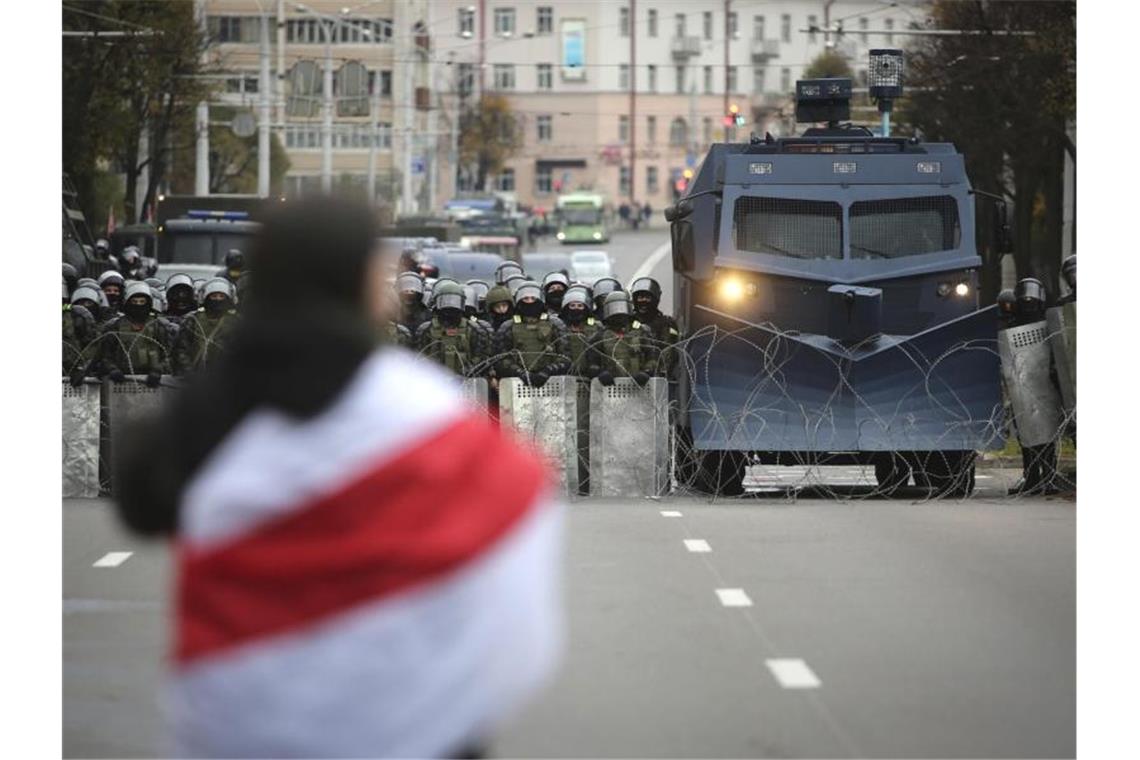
{"x": 951, "y": 474}
{"x": 892, "y": 472}
{"x": 721, "y": 473}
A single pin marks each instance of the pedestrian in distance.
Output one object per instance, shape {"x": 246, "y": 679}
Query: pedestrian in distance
{"x": 366, "y": 566}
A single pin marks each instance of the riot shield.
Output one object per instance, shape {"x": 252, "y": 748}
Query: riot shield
{"x": 1033, "y": 396}
{"x": 81, "y": 408}
{"x": 548, "y": 416}
{"x": 629, "y": 438}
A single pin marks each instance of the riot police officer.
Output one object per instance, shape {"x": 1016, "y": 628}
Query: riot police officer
{"x": 554, "y": 286}
{"x": 70, "y": 278}
{"x": 1069, "y": 275}
{"x": 514, "y": 282}
{"x": 531, "y": 345}
{"x": 180, "y": 299}
{"x": 130, "y": 263}
{"x": 205, "y": 332}
{"x": 455, "y": 341}
{"x": 581, "y": 330}
{"x": 625, "y": 347}
{"x": 112, "y": 284}
{"x": 500, "y": 306}
{"x": 102, "y": 249}
{"x": 646, "y": 295}
{"x": 135, "y": 342}
{"x": 1007, "y": 308}
{"x": 1039, "y": 463}
{"x": 506, "y": 270}
{"x": 603, "y": 286}
{"x": 78, "y": 332}
{"x": 235, "y": 264}
{"x": 413, "y": 312}
{"x": 480, "y": 289}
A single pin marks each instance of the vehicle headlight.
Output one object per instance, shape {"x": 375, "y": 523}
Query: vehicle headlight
{"x": 962, "y": 289}
{"x": 561, "y": 236}
{"x": 731, "y": 289}
{"x": 597, "y": 236}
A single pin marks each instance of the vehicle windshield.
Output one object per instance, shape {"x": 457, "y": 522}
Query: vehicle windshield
{"x": 581, "y": 215}
{"x": 789, "y": 227}
{"x": 897, "y": 227}
{"x": 196, "y": 248}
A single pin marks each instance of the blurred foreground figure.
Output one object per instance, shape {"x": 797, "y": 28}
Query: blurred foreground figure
{"x": 365, "y": 566}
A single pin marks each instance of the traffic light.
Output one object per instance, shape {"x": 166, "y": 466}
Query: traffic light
{"x": 734, "y": 117}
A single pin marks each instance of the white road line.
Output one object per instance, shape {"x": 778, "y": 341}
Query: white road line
{"x": 697, "y": 545}
{"x": 112, "y": 559}
{"x": 793, "y": 674}
{"x": 733, "y": 597}
{"x": 670, "y": 513}
{"x": 653, "y": 260}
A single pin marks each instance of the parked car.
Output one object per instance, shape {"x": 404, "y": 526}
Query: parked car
{"x": 589, "y": 265}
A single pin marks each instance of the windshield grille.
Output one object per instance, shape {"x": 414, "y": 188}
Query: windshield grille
{"x": 789, "y": 227}
{"x": 888, "y": 229}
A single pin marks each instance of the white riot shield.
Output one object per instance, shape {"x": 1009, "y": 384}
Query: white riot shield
{"x": 1033, "y": 396}
{"x": 476, "y": 392}
{"x": 1061, "y": 323}
{"x": 81, "y": 408}
{"x": 131, "y": 400}
{"x": 548, "y": 416}
{"x": 629, "y": 438}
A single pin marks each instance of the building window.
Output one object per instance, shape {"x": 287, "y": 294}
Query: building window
{"x": 651, "y": 129}
{"x": 505, "y": 182}
{"x": 623, "y": 76}
{"x": 812, "y": 26}
{"x": 678, "y": 132}
{"x": 785, "y": 80}
{"x": 680, "y": 80}
{"x": 890, "y": 23}
{"x": 651, "y": 180}
{"x": 758, "y": 75}
{"x": 730, "y": 79}
{"x": 504, "y": 22}
{"x": 679, "y": 25}
{"x": 384, "y": 83}
{"x": 708, "y": 80}
{"x": 545, "y": 128}
{"x": 344, "y": 136}
{"x": 757, "y": 27}
{"x": 544, "y": 22}
{"x": 623, "y": 129}
{"x": 732, "y": 28}
{"x": 542, "y": 180}
{"x": 466, "y": 22}
{"x": 465, "y": 82}
{"x": 545, "y": 76}
{"x": 651, "y": 85}
{"x": 623, "y": 22}
{"x": 708, "y": 25}
{"x": 504, "y": 76}
{"x": 706, "y": 127}
{"x": 652, "y": 22}
{"x": 623, "y": 180}
{"x": 786, "y": 28}
{"x": 863, "y": 30}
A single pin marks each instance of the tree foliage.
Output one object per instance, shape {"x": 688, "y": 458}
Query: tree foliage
{"x": 489, "y": 135}
{"x": 232, "y": 161}
{"x": 1006, "y": 102}
{"x": 828, "y": 64}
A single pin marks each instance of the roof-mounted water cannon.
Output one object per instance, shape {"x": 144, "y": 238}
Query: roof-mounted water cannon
{"x": 826, "y": 100}
{"x": 885, "y": 77}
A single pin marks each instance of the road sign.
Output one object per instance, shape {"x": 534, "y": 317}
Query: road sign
{"x": 243, "y": 125}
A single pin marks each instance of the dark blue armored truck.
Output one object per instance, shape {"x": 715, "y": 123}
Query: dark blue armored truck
{"x": 828, "y": 285}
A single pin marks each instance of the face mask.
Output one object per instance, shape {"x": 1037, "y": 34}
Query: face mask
{"x": 533, "y": 309}
{"x": 554, "y": 298}
{"x": 574, "y": 316}
{"x": 643, "y": 307}
{"x": 450, "y": 317}
{"x": 216, "y": 306}
{"x": 136, "y": 312}
{"x": 411, "y": 299}
{"x": 618, "y": 322}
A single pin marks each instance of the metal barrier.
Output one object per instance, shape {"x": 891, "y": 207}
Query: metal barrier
{"x": 1034, "y": 399}
{"x": 548, "y": 416}
{"x": 629, "y": 438}
{"x": 1061, "y": 322}
{"x": 81, "y": 415}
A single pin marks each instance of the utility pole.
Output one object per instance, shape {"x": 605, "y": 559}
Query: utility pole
{"x": 201, "y": 124}
{"x": 730, "y": 133}
{"x": 632, "y": 101}
{"x": 404, "y": 53}
{"x": 482, "y": 46}
{"x": 264, "y": 94}
{"x": 326, "y": 113}
{"x": 279, "y": 100}
{"x": 375, "y": 138}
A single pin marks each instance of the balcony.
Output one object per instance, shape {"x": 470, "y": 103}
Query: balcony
{"x": 764, "y": 50}
{"x": 685, "y": 48}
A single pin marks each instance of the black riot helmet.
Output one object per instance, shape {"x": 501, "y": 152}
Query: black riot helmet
{"x": 1030, "y": 294}
{"x": 528, "y": 299}
{"x": 1069, "y": 272}
{"x": 603, "y": 286}
{"x": 70, "y": 276}
{"x": 410, "y": 288}
{"x": 616, "y": 311}
{"x": 505, "y": 270}
{"x": 640, "y": 289}
{"x": 554, "y": 287}
{"x": 235, "y": 259}
{"x": 1007, "y": 302}
{"x": 574, "y": 297}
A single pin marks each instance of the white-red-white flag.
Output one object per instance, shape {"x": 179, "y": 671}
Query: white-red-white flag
{"x": 379, "y": 581}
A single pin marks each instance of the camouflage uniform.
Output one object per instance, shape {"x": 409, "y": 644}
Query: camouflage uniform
{"x": 462, "y": 348}
{"x": 626, "y": 353}
{"x": 526, "y": 345}
{"x": 134, "y": 349}
{"x": 395, "y": 334}
{"x": 201, "y": 338}
{"x": 78, "y": 332}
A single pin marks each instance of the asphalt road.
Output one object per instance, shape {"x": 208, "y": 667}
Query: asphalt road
{"x": 938, "y": 629}
{"x": 877, "y": 628}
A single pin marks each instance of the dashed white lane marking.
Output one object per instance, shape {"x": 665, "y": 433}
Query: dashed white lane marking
{"x": 670, "y": 513}
{"x": 793, "y": 674}
{"x": 983, "y": 477}
{"x": 653, "y": 260}
{"x": 733, "y": 597}
{"x": 112, "y": 559}
{"x": 697, "y": 545}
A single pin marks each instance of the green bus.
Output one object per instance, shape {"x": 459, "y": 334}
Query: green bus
{"x": 582, "y": 218}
